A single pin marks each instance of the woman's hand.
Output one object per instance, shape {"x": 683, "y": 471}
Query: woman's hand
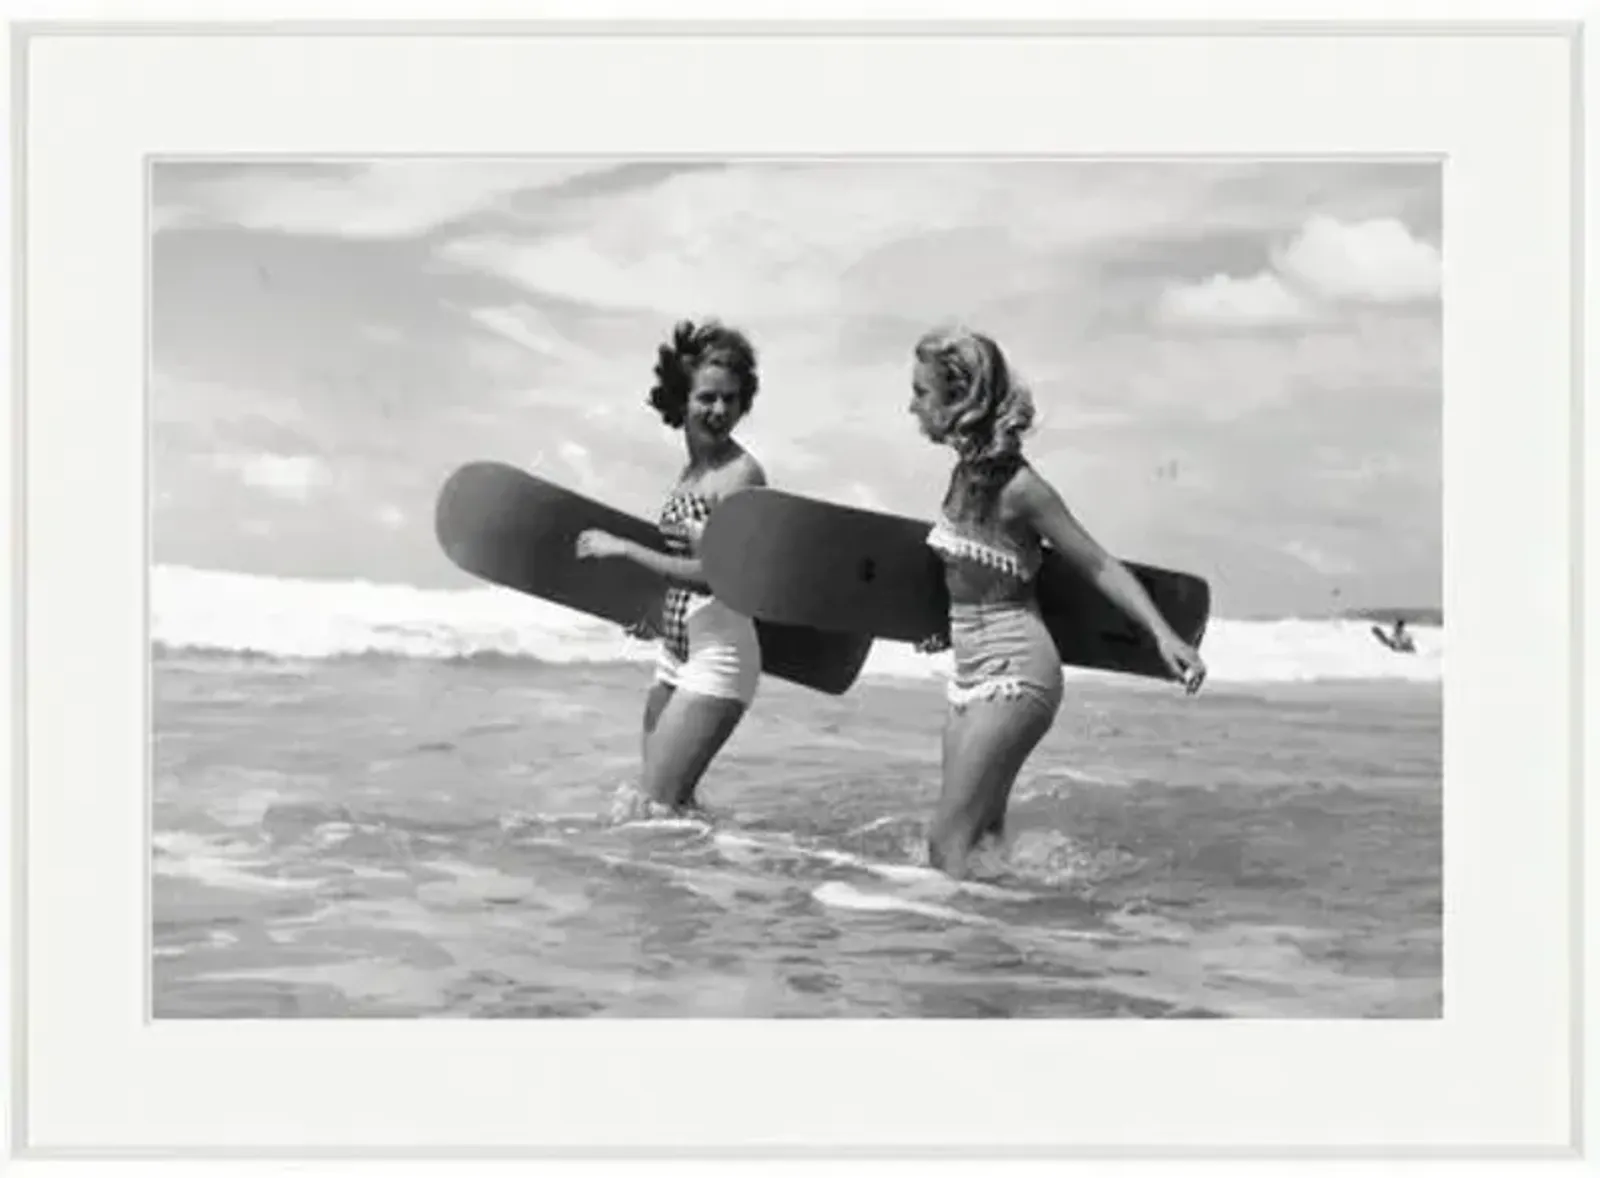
{"x": 1183, "y": 661}
{"x": 644, "y": 629}
{"x": 597, "y": 545}
{"x": 933, "y": 643}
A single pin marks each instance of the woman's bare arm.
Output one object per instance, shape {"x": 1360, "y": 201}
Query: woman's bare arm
{"x": 684, "y": 570}
{"x": 1041, "y": 506}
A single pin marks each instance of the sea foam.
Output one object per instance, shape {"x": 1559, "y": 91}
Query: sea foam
{"x": 201, "y": 610}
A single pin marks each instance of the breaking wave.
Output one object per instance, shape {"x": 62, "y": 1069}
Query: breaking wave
{"x": 202, "y": 610}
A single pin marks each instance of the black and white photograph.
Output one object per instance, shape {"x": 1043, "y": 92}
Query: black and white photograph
{"x": 752, "y": 588}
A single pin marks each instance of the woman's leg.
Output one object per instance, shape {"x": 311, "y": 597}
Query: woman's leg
{"x": 713, "y": 689}
{"x": 687, "y": 733}
{"x": 985, "y": 746}
{"x": 660, "y": 693}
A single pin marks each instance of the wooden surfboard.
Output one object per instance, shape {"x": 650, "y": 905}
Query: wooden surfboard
{"x": 519, "y": 531}
{"x": 786, "y": 558}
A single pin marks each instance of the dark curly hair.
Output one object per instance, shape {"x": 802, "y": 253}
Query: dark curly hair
{"x": 696, "y": 347}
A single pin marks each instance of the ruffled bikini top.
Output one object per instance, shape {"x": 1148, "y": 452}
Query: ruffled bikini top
{"x": 984, "y": 559}
{"x": 986, "y": 551}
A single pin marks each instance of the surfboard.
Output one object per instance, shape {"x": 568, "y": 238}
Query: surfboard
{"x": 519, "y": 531}
{"x": 787, "y": 558}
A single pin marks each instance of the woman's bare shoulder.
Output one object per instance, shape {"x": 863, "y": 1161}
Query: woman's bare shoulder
{"x": 752, "y": 473}
{"x": 744, "y": 471}
{"x": 1025, "y": 490}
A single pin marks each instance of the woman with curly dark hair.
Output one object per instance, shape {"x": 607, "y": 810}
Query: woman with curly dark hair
{"x": 710, "y": 659}
{"x": 998, "y": 512}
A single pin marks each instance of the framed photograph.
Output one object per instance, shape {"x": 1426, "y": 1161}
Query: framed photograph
{"x": 797, "y": 591}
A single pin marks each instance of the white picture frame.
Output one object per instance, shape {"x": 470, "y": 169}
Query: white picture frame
{"x": 1497, "y": 1076}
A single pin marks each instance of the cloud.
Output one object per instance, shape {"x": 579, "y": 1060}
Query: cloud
{"x": 1375, "y": 261}
{"x": 1317, "y": 560}
{"x": 377, "y": 200}
{"x": 1220, "y": 301}
{"x": 164, "y": 217}
{"x": 524, "y": 326}
{"x": 381, "y": 333}
{"x": 176, "y": 398}
{"x": 784, "y": 240}
{"x": 287, "y": 476}
{"x": 778, "y": 449}
{"x": 580, "y": 463}
{"x": 862, "y": 495}
{"x": 1327, "y": 263}
{"x": 529, "y": 319}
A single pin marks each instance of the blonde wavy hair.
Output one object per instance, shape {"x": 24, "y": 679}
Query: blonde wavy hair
{"x": 988, "y": 410}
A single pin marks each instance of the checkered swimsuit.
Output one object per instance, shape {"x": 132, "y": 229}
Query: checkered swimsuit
{"x": 682, "y": 517}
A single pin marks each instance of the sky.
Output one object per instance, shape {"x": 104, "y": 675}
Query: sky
{"x": 1236, "y": 364}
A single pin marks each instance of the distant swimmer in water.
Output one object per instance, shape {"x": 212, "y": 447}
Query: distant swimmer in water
{"x": 1397, "y": 640}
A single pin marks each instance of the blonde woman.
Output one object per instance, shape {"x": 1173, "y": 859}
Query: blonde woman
{"x": 997, "y": 513}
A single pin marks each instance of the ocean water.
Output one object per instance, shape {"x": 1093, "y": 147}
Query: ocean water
{"x": 379, "y": 801}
